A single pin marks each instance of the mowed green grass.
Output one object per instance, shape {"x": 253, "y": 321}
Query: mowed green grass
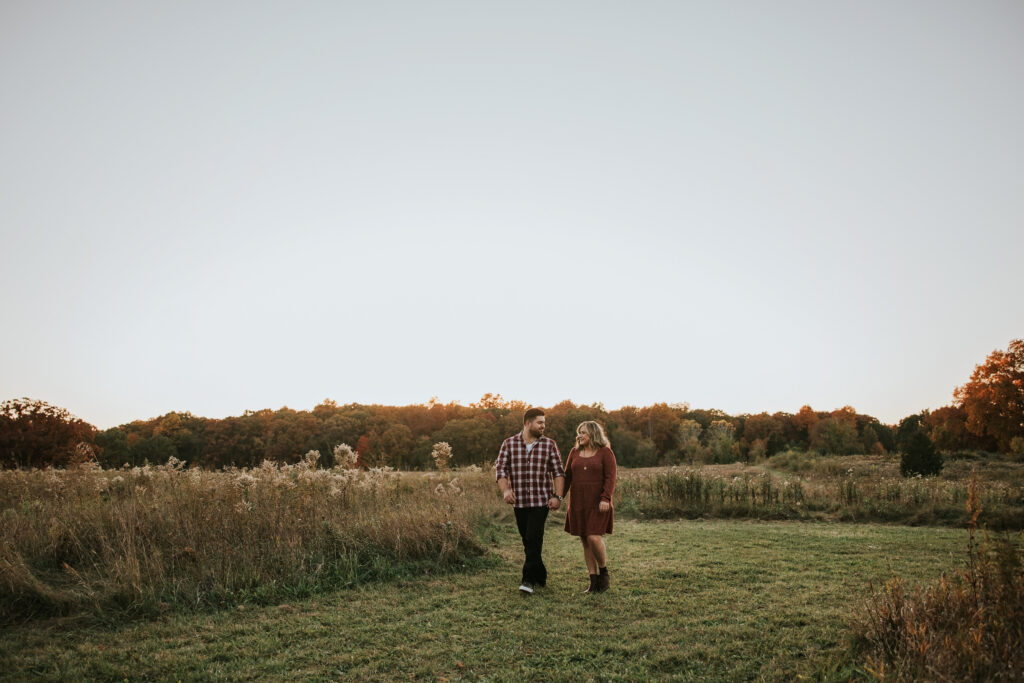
{"x": 690, "y": 600}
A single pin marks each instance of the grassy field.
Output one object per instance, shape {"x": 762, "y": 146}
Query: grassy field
{"x": 690, "y": 600}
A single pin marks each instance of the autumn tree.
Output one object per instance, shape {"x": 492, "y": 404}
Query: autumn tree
{"x": 563, "y": 419}
{"x": 993, "y": 398}
{"x": 185, "y": 431}
{"x": 36, "y": 434}
{"x": 870, "y": 441}
{"x": 391, "y": 446}
{"x": 473, "y": 441}
{"x": 688, "y": 435}
{"x": 947, "y": 428}
{"x": 662, "y": 424}
{"x": 763, "y": 434}
{"x": 491, "y": 401}
{"x": 804, "y": 421}
{"x": 722, "y": 441}
{"x": 835, "y": 436}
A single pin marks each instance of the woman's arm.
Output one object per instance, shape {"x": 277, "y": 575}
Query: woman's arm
{"x": 609, "y": 475}
{"x": 568, "y": 470}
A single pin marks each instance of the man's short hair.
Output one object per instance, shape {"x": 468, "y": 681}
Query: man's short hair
{"x": 532, "y": 413}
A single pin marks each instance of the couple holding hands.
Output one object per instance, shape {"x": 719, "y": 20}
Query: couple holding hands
{"x": 531, "y": 478}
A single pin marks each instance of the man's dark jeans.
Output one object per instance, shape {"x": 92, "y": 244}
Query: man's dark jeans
{"x": 531, "y": 527}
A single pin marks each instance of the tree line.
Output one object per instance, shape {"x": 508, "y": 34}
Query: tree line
{"x": 987, "y": 414}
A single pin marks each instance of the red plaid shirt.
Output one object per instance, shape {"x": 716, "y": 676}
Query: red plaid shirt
{"x": 529, "y": 473}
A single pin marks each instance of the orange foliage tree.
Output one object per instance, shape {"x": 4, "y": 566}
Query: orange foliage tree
{"x": 994, "y": 396}
{"x": 36, "y": 434}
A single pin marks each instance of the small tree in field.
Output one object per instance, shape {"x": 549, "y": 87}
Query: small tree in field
{"x": 920, "y": 456}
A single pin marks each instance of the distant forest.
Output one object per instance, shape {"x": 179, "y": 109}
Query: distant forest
{"x": 987, "y": 415}
{"x": 402, "y": 437}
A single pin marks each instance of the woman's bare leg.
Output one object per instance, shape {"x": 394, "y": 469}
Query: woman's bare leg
{"x": 588, "y": 556}
{"x": 595, "y": 544}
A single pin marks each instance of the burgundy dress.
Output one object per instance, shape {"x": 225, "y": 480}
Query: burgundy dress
{"x": 589, "y": 481}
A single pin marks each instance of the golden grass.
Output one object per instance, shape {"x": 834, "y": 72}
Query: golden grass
{"x": 145, "y": 537}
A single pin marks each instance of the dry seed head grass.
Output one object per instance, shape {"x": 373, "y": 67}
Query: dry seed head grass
{"x": 441, "y": 454}
{"x": 85, "y": 538}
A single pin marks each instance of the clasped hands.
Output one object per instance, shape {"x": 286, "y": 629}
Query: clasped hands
{"x": 553, "y": 502}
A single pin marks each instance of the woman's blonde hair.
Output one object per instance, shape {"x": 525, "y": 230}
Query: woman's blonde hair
{"x": 596, "y": 433}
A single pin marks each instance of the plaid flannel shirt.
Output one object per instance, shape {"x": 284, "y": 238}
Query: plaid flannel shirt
{"x": 529, "y": 473}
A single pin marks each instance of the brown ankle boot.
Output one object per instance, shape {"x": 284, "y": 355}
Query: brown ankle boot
{"x": 603, "y": 581}
{"x": 593, "y": 584}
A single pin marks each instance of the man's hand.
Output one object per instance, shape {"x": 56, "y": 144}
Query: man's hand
{"x": 554, "y": 503}
{"x": 604, "y": 506}
{"x": 509, "y": 496}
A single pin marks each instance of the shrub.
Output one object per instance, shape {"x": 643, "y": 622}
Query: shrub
{"x": 920, "y": 456}
{"x": 1017, "y": 447}
{"x": 968, "y": 626}
{"x": 792, "y": 461}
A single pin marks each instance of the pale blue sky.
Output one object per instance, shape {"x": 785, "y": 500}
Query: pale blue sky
{"x": 748, "y": 206}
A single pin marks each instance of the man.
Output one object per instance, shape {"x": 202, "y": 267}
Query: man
{"x": 526, "y": 463}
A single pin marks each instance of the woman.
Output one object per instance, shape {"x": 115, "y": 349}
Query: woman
{"x": 590, "y": 482}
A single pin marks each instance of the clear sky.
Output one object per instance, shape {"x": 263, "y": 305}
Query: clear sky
{"x": 220, "y": 206}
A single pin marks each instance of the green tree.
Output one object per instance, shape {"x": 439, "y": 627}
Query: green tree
{"x": 155, "y": 450}
{"x": 392, "y": 447}
{"x": 688, "y": 436}
{"x": 113, "y": 448}
{"x": 908, "y": 426}
{"x": 473, "y": 441}
{"x": 624, "y": 443}
{"x": 920, "y": 456}
{"x": 645, "y": 454}
{"x": 835, "y": 436}
{"x": 870, "y": 442}
{"x": 722, "y": 441}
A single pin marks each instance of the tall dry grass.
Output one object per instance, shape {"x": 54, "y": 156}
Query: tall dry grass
{"x": 842, "y": 495}
{"x": 967, "y": 626}
{"x": 143, "y": 538}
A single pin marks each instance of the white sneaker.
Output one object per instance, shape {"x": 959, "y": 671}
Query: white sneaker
{"x": 526, "y": 588}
